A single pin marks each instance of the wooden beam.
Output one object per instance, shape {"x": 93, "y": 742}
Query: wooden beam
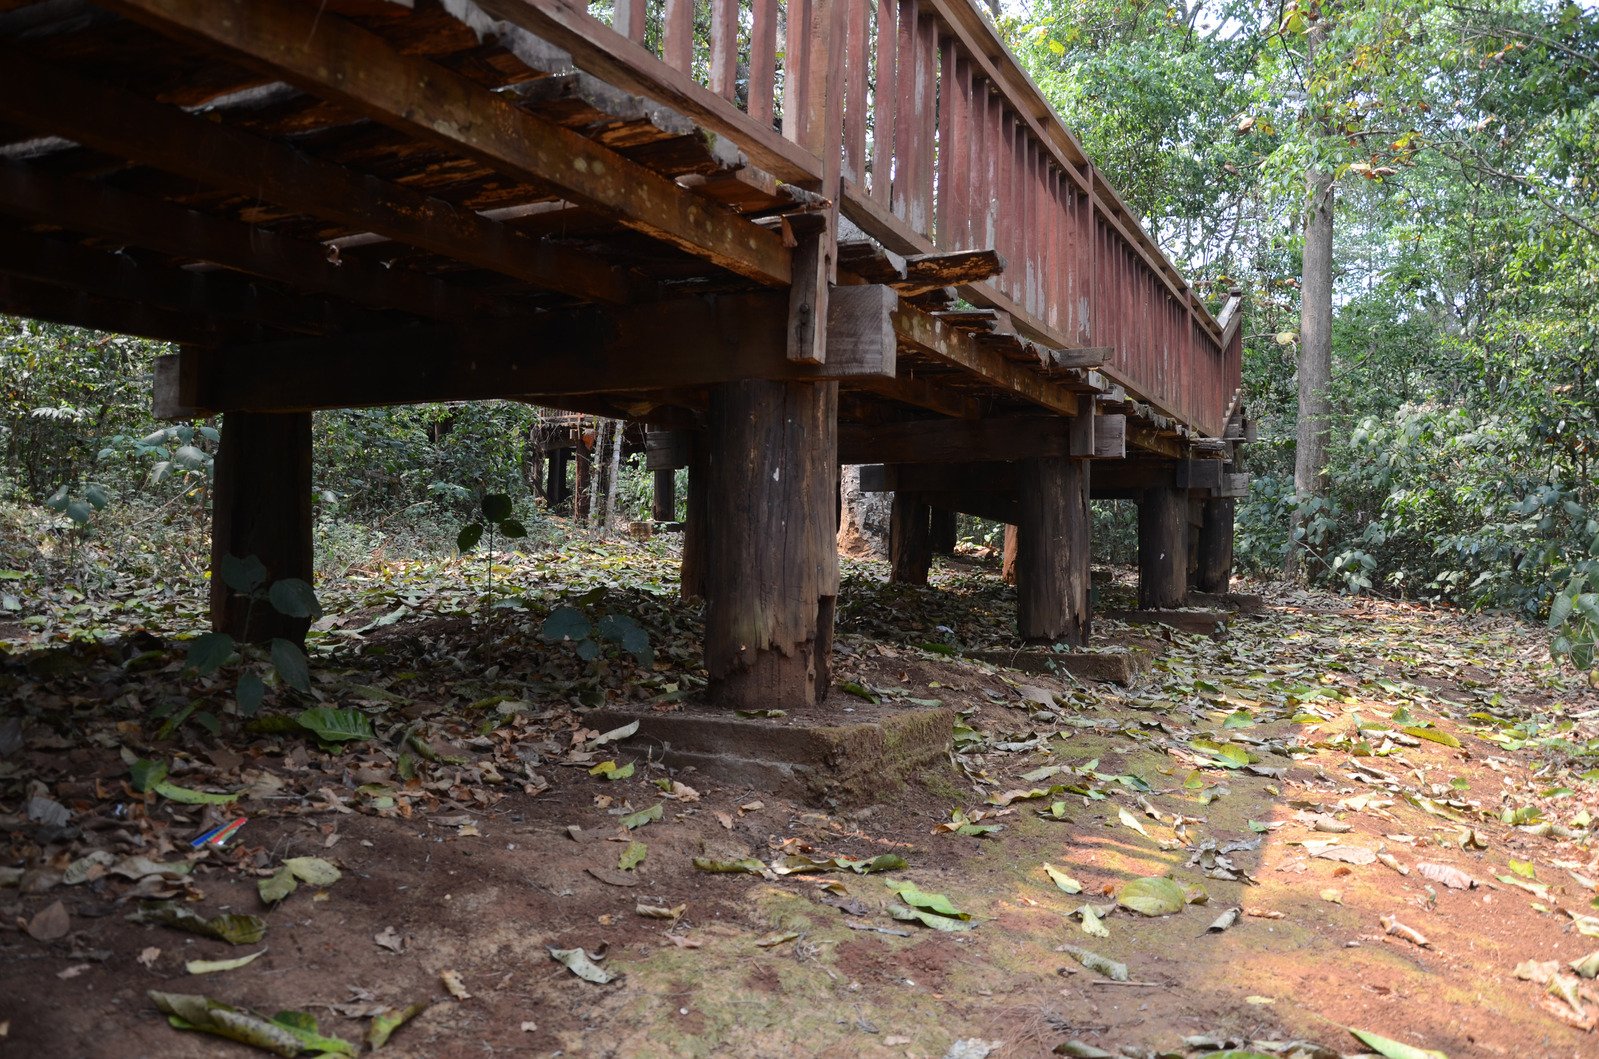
{"x": 939, "y": 478}
{"x": 97, "y": 208}
{"x": 1110, "y": 437}
{"x": 954, "y": 440}
{"x": 78, "y": 308}
{"x": 340, "y": 61}
{"x": 41, "y": 97}
{"x": 1199, "y": 474}
{"x": 926, "y": 333}
{"x": 667, "y": 345}
{"x": 218, "y": 296}
{"x": 995, "y": 507}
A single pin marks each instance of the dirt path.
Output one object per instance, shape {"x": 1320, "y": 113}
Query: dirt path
{"x": 1354, "y": 777}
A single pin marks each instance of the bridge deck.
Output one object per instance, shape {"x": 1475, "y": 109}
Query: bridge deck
{"x": 334, "y": 203}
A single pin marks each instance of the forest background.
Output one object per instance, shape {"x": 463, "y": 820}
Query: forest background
{"x": 1406, "y": 192}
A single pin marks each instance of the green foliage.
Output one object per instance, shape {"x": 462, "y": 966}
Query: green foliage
{"x": 569, "y": 623}
{"x": 210, "y": 652}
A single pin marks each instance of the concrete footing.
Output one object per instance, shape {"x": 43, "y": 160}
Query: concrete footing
{"x": 1202, "y": 622}
{"x": 825, "y": 757}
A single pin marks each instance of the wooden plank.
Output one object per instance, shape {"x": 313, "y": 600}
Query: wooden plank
{"x": 338, "y": 60}
{"x": 975, "y": 477}
{"x": 1082, "y": 440}
{"x": 724, "y": 47}
{"x": 100, "y": 209}
{"x": 856, "y": 80}
{"x": 628, "y": 20}
{"x": 885, "y": 102}
{"x": 684, "y": 343}
{"x": 954, "y": 347}
{"x": 928, "y": 272}
{"x": 808, "y": 294}
{"x": 41, "y": 97}
{"x": 613, "y": 58}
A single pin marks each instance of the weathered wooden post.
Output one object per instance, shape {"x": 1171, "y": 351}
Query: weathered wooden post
{"x": 1216, "y": 545}
{"x": 910, "y": 548}
{"x": 1052, "y": 550}
{"x": 696, "y": 519}
{"x": 663, "y": 502}
{"x": 556, "y": 491}
{"x": 261, "y": 506}
{"x": 1007, "y": 555}
{"x": 942, "y": 535}
{"x": 1163, "y": 547}
{"x": 771, "y": 571}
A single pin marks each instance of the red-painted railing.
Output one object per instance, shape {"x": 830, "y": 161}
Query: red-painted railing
{"x": 938, "y": 141}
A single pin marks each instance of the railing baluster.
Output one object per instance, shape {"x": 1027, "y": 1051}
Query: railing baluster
{"x": 796, "y": 61}
{"x": 724, "y": 48}
{"x": 763, "y": 61}
{"x": 855, "y": 83}
{"x": 677, "y": 35}
{"x": 885, "y": 102}
{"x": 628, "y": 20}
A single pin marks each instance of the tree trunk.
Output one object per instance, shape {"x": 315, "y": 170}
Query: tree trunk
{"x": 865, "y": 524}
{"x": 696, "y": 519}
{"x": 614, "y": 472}
{"x": 582, "y": 477}
{"x": 1315, "y": 357}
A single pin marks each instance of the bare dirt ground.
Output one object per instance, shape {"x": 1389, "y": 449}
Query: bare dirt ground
{"x": 1398, "y": 801}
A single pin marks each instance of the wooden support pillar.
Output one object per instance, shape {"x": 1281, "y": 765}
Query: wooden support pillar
{"x": 1216, "y": 545}
{"x": 582, "y": 477}
{"x": 910, "y": 549}
{"x": 771, "y": 570}
{"x": 555, "y": 488}
{"x": 261, "y": 506}
{"x": 1007, "y": 562}
{"x": 1052, "y": 550}
{"x": 942, "y": 532}
{"x": 1163, "y": 548}
{"x": 663, "y": 505}
{"x": 696, "y": 520}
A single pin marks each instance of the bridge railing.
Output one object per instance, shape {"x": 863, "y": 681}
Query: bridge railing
{"x": 939, "y": 141}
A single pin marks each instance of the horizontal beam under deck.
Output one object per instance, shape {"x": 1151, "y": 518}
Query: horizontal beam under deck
{"x": 691, "y": 342}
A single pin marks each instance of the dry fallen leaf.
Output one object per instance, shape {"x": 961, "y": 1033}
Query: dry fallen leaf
{"x": 452, "y": 982}
{"x": 1391, "y": 924}
{"x": 389, "y": 938}
{"x": 149, "y": 956}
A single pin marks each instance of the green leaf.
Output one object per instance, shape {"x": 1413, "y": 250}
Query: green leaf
{"x": 277, "y": 886}
{"x": 146, "y": 774}
{"x": 914, "y": 896}
{"x": 745, "y": 866}
{"x": 242, "y": 575}
{"x": 633, "y": 856}
{"x": 644, "y": 816}
{"x": 1239, "y": 719}
{"x": 304, "y": 1027}
{"x": 1152, "y": 896}
{"x": 386, "y": 1022}
{"x": 467, "y": 539}
{"x": 209, "y": 651}
{"x": 1116, "y": 972}
{"x": 313, "y": 871}
{"x": 629, "y": 635}
{"x": 78, "y": 511}
{"x": 496, "y": 507}
{"x": 233, "y": 929}
{"x": 1065, "y": 882}
{"x": 565, "y": 623}
{"x": 926, "y": 918}
{"x": 213, "y": 966}
{"x": 513, "y": 529}
{"x": 1432, "y": 734}
{"x": 202, "y": 1014}
{"x": 96, "y": 495}
{"x": 335, "y": 726}
{"x": 293, "y": 668}
{"x": 249, "y": 693}
{"x": 185, "y": 796}
{"x": 1224, "y": 755}
{"x": 1393, "y": 1049}
{"x": 294, "y": 598}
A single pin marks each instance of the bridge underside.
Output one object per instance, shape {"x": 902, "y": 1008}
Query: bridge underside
{"x": 359, "y": 203}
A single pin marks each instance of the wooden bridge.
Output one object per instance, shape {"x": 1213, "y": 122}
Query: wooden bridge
{"x": 784, "y": 233}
